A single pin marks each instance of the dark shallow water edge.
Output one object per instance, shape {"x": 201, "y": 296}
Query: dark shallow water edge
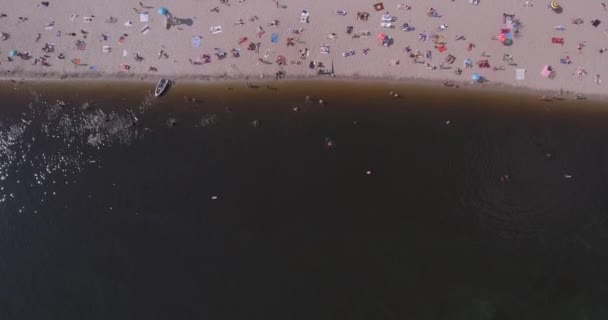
{"x": 302, "y": 232}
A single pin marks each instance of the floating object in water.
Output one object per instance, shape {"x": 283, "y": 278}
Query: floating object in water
{"x": 567, "y": 176}
{"x": 368, "y": 172}
{"x": 161, "y": 86}
{"x": 213, "y": 197}
{"x": 329, "y": 143}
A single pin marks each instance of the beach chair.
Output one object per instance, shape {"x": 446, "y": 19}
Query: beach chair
{"x": 304, "y": 17}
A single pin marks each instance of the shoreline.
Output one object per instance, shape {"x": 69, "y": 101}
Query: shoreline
{"x": 151, "y": 79}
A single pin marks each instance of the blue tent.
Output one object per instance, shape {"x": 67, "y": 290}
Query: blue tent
{"x": 476, "y": 77}
{"x": 163, "y": 11}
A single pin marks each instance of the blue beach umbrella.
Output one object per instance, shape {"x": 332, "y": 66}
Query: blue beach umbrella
{"x": 476, "y": 77}
{"x": 163, "y": 11}
{"x": 13, "y": 53}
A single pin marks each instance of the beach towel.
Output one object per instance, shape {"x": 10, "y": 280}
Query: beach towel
{"x": 106, "y": 49}
{"x": 520, "y": 74}
{"x": 196, "y": 41}
{"x": 143, "y": 17}
{"x": 547, "y": 72}
{"x": 379, "y": 6}
{"x": 557, "y": 40}
{"x": 442, "y": 48}
{"x": 274, "y": 38}
{"x": 483, "y": 64}
{"x": 216, "y": 30}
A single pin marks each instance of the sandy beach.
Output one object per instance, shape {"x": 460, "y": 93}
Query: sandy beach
{"x": 254, "y": 39}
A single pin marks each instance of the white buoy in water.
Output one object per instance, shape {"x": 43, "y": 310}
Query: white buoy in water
{"x": 368, "y": 172}
{"x": 321, "y": 101}
{"x": 213, "y": 197}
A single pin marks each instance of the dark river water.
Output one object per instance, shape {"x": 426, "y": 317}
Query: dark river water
{"x": 258, "y": 204}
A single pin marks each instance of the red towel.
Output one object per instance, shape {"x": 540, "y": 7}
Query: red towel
{"x": 557, "y": 40}
{"x": 442, "y": 48}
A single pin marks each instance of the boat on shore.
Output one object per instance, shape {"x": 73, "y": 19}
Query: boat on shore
{"x": 161, "y": 86}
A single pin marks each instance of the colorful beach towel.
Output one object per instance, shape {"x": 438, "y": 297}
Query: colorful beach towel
{"x": 274, "y": 38}
{"x": 557, "y": 40}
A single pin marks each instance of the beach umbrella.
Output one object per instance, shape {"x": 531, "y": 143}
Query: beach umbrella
{"x": 554, "y": 5}
{"x": 381, "y": 36}
{"x": 163, "y": 11}
{"x": 502, "y": 38}
{"x": 13, "y": 53}
{"x": 476, "y": 77}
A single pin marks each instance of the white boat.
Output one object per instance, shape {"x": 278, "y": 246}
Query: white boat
{"x": 161, "y": 86}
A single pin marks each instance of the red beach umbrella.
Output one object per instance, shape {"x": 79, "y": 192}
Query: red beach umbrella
{"x": 502, "y": 38}
{"x": 381, "y": 36}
